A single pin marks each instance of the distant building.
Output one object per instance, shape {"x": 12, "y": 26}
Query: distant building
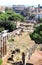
{"x": 30, "y": 9}
{"x": 38, "y": 12}
{"x": 38, "y": 9}
{"x": 18, "y": 8}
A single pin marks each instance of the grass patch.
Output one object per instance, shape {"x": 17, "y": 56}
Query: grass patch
{"x": 0, "y": 61}
{"x": 11, "y": 40}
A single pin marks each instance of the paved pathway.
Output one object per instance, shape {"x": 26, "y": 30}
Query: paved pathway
{"x": 36, "y": 58}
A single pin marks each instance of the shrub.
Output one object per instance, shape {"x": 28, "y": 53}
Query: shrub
{"x": 1, "y": 29}
{"x": 37, "y": 34}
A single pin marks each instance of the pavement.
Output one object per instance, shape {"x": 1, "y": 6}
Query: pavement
{"x": 36, "y": 58}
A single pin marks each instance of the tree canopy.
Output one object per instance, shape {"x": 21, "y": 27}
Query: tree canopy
{"x": 11, "y": 15}
{"x": 37, "y": 34}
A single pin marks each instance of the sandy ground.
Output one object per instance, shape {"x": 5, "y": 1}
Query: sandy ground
{"x": 23, "y": 41}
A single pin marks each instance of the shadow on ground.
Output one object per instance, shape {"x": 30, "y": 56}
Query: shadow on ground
{"x": 20, "y": 63}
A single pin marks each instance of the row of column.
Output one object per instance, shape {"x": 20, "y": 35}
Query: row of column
{"x": 3, "y": 46}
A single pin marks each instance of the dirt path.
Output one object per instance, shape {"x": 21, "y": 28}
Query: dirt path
{"x": 5, "y": 60}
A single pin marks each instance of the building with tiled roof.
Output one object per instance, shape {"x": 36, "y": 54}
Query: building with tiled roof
{"x": 2, "y": 9}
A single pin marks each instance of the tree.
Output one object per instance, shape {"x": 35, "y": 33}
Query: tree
{"x": 31, "y": 16}
{"x": 40, "y": 20}
{"x": 8, "y": 25}
{"x": 8, "y": 10}
{"x": 16, "y": 17}
{"x": 7, "y": 18}
{"x": 10, "y": 15}
{"x": 37, "y": 34}
{"x": 3, "y": 16}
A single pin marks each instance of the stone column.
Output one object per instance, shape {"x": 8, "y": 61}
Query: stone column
{"x": 5, "y": 45}
{"x": 23, "y": 58}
